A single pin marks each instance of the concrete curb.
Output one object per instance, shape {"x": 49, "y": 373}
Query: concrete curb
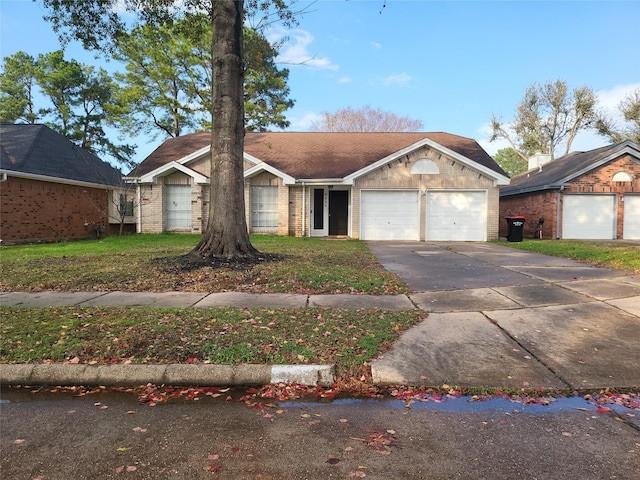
{"x": 173, "y": 374}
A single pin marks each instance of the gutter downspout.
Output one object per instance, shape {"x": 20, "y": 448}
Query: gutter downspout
{"x": 558, "y": 211}
{"x": 304, "y": 191}
{"x": 5, "y": 177}
{"x": 139, "y": 223}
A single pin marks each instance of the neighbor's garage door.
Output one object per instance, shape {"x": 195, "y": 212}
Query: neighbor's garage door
{"x": 457, "y": 216}
{"x": 631, "y": 228}
{"x": 588, "y": 217}
{"x": 389, "y": 215}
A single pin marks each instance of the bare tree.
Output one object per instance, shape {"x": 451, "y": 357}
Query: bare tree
{"x": 547, "y": 117}
{"x": 365, "y": 119}
{"x": 629, "y": 107}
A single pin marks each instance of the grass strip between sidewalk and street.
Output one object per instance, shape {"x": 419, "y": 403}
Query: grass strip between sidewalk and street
{"x": 346, "y": 338}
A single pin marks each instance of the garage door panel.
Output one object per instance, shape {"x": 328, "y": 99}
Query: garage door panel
{"x": 457, "y": 216}
{"x": 588, "y": 217}
{"x": 389, "y": 215}
{"x": 631, "y": 222}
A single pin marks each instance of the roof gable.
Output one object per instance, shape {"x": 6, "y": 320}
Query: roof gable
{"x": 565, "y": 169}
{"x": 313, "y": 155}
{"x": 38, "y": 151}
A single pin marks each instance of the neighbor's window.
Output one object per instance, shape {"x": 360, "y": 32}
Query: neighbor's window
{"x": 126, "y": 206}
{"x": 264, "y": 206}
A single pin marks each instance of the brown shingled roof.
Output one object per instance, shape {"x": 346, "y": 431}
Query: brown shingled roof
{"x": 314, "y": 155}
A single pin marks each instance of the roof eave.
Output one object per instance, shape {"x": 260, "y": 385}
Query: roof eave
{"x": 66, "y": 181}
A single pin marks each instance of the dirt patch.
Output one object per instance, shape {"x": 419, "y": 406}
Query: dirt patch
{"x": 190, "y": 263}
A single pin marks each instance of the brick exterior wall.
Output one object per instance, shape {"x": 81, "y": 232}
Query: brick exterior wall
{"x": 545, "y": 204}
{"x": 37, "y": 211}
{"x": 453, "y": 176}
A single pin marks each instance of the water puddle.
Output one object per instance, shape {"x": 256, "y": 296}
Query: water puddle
{"x": 466, "y": 404}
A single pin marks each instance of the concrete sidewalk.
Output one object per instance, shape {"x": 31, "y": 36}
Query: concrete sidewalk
{"x": 497, "y": 317}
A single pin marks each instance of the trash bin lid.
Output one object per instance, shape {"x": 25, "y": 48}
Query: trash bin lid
{"x": 515, "y": 217}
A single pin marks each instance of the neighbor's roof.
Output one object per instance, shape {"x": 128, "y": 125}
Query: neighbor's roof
{"x": 38, "y": 151}
{"x": 558, "y": 172}
{"x": 309, "y": 155}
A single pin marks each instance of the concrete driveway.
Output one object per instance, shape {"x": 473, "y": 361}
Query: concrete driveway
{"x": 501, "y": 317}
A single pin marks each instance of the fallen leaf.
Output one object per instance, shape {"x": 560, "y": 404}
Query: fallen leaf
{"x": 122, "y": 449}
{"x": 131, "y": 468}
{"x": 140, "y": 430}
{"x": 602, "y": 409}
{"x": 214, "y": 468}
{"x": 214, "y": 456}
{"x": 19, "y": 441}
{"x": 333, "y": 461}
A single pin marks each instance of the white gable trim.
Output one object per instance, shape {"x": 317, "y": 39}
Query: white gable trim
{"x": 498, "y": 179}
{"x": 169, "y": 168}
{"x": 625, "y": 150}
{"x": 265, "y": 167}
{"x": 198, "y": 154}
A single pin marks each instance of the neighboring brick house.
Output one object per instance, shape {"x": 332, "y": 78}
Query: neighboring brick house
{"x": 53, "y": 190}
{"x": 583, "y": 195}
{"x": 373, "y": 186}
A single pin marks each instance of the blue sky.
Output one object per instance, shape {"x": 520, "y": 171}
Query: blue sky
{"x": 450, "y": 64}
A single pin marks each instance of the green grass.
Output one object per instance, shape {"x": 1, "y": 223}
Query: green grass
{"x": 149, "y": 263}
{"x": 600, "y": 253}
{"x": 347, "y": 338}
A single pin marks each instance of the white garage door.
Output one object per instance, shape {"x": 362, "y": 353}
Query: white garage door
{"x": 457, "y": 216}
{"x": 389, "y": 215}
{"x": 589, "y": 217}
{"x": 631, "y": 228}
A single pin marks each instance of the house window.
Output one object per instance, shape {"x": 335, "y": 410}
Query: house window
{"x": 264, "y": 206}
{"x": 424, "y": 166}
{"x": 622, "y": 177}
{"x": 177, "y": 207}
{"x": 126, "y": 206}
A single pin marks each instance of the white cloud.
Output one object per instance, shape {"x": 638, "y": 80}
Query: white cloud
{"x": 304, "y": 122}
{"x": 296, "y": 50}
{"x": 375, "y": 44}
{"x": 610, "y": 99}
{"x": 399, "y": 79}
{"x": 344, "y": 80}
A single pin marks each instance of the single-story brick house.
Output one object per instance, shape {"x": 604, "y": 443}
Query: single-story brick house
{"x": 373, "y": 186}
{"x": 583, "y": 195}
{"x": 53, "y": 190}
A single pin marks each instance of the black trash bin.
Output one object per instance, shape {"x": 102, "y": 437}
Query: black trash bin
{"x": 515, "y": 228}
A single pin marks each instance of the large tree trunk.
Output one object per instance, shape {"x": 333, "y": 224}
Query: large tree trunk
{"x": 226, "y": 233}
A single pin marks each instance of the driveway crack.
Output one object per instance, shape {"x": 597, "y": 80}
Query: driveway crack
{"x": 529, "y": 352}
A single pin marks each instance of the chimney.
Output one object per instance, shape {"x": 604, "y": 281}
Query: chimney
{"x": 538, "y": 160}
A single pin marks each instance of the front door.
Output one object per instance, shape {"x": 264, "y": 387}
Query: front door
{"x": 338, "y": 212}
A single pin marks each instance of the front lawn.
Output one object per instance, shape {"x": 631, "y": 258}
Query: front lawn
{"x": 610, "y": 254}
{"x": 138, "y": 263}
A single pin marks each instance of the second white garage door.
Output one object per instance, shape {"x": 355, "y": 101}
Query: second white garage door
{"x": 589, "y": 217}
{"x": 389, "y": 215}
{"x": 631, "y": 229}
{"x": 457, "y": 216}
